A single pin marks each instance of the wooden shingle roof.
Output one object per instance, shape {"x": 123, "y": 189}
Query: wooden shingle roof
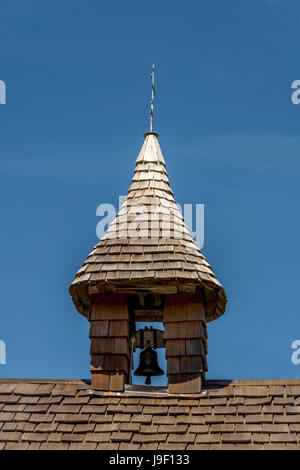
{"x": 246, "y": 414}
{"x": 161, "y": 250}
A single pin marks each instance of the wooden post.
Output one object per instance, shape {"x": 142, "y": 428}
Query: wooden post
{"x": 186, "y": 345}
{"x": 109, "y": 334}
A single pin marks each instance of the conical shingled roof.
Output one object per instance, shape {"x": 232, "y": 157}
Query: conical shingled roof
{"x": 148, "y": 242}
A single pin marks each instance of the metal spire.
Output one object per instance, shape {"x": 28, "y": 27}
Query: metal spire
{"x": 152, "y": 99}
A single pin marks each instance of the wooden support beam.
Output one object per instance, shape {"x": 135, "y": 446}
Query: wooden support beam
{"x": 185, "y": 338}
{"x": 109, "y": 333}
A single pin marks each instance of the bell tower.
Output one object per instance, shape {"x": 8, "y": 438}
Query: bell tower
{"x": 148, "y": 268}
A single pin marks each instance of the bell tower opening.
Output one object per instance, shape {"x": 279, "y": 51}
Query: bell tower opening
{"x": 148, "y": 364}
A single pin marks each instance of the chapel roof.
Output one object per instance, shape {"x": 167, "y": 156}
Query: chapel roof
{"x": 233, "y": 415}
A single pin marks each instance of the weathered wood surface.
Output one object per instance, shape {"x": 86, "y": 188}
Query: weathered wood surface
{"x": 109, "y": 333}
{"x": 185, "y": 338}
{"x": 153, "y": 338}
{"x": 109, "y": 346}
{"x": 181, "y": 383}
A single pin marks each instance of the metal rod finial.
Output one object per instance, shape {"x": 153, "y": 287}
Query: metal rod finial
{"x": 152, "y": 98}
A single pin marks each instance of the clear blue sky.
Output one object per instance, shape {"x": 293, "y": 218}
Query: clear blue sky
{"x": 78, "y": 91}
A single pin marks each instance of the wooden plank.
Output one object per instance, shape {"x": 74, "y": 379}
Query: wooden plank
{"x": 184, "y": 329}
{"x": 195, "y": 311}
{"x": 116, "y": 362}
{"x": 121, "y": 346}
{"x": 182, "y": 383}
{"x": 119, "y": 328}
{"x": 117, "y": 381}
{"x": 184, "y": 306}
{"x": 175, "y": 347}
{"x": 175, "y": 312}
{"x": 173, "y": 365}
{"x": 175, "y": 308}
{"x": 100, "y": 381}
{"x": 184, "y": 364}
{"x": 193, "y": 384}
{"x": 109, "y": 362}
{"x": 109, "y": 346}
{"x": 194, "y": 347}
{"x": 171, "y": 331}
{"x": 102, "y": 346}
{"x": 187, "y": 288}
{"x": 99, "y": 329}
{"x": 153, "y": 317}
{"x": 150, "y": 337}
{"x": 191, "y": 364}
{"x": 110, "y": 306}
{"x": 100, "y": 314}
{"x": 157, "y": 289}
{"x": 173, "y": 387}
{"x": 97, "y": 363}
{"x": 190, "y": 329}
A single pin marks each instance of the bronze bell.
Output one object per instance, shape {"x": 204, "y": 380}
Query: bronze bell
{"x": 148, "y": 365}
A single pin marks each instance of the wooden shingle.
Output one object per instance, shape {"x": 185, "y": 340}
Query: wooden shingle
{"x": 216, "y": 420}
{"x": 157, "y": 247}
